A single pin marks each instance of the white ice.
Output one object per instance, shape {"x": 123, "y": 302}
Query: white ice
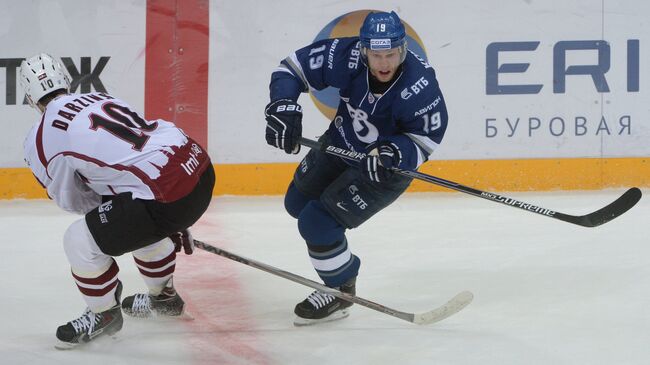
{"x": 546, "y": 292}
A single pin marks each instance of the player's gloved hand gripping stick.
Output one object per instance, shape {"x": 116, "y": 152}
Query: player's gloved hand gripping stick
{"x": 377, "y": 165}
{"x": 184, "y": 240}
{"x": 601, "y": 216}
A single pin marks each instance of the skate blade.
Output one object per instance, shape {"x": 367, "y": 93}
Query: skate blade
{"x": 66, "y": 346}
{"x": 186, "y": 316}
{"x": 302, "y": 322}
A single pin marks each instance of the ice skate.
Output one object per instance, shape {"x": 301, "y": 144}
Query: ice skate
{"x": 166, "y": 304}
{"x": 321, "y": 307}
{"x": 91, "y": 325}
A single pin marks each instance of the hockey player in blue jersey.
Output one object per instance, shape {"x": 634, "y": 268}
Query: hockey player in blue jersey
{"x": 390, "y": 107}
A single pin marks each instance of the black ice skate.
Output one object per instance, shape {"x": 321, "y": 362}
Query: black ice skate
{"x": 91, "y": 325}
{"x": 322, "y": 307}
{"x": 167, "y": 304}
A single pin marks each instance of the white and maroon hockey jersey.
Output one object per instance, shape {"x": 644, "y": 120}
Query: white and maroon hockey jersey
{"x": 89, "y": 145}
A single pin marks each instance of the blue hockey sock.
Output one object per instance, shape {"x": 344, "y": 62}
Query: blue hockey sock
{"x": 327, "y": 245}
{"x": 335, "y": 266}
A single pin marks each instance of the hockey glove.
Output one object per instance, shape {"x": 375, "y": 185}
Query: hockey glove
{"x": 284, "y": 125}
{"x": 183, "y": 239}
{"x": 378, "y": 164}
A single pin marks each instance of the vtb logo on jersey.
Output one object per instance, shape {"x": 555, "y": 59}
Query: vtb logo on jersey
{"x": 365, "y": 131}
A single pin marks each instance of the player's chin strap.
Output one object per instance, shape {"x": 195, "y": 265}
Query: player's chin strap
{"x": 601, "y": 216}
{"x": 454, "y": 305}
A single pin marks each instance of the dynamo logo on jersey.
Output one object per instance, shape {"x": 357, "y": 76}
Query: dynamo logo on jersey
{"x": 347, "y": 25}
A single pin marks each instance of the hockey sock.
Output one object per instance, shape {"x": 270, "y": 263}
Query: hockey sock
{"x": 327, "y": 245}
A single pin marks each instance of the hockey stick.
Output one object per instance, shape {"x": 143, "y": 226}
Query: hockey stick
{"x": 453, "y": 306}
{"x": 593, "y": 219}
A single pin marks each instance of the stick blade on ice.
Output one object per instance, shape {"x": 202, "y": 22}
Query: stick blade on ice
{"x": 453, "y": 306}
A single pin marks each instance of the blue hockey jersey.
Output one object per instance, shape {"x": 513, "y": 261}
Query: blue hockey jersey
{"x": 411, "y": 113}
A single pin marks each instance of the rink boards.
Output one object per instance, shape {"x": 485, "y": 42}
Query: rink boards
{"x": 541, "y": 96}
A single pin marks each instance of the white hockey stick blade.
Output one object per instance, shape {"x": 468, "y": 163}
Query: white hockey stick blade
{"x": 453, "y": 306}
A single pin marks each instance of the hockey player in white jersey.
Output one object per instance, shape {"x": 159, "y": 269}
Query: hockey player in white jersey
{"x": 140, "y": 185}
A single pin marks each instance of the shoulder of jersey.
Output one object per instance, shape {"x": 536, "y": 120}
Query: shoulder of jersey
{"x": 418, "y": 85}
{"x": 346, "y": 47}
{"x": 343, "y": 55}
{"x": 348, "y": 41}
{"x": 61, "y": 101}
{"x": 417, "y": 67}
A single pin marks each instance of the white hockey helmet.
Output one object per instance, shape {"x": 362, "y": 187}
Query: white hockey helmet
{"x": 41, "y": 75}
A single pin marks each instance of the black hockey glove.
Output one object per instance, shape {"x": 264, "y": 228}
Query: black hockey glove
{"x": 284, "y": 125}
{"x": 378, "y": 163}
{"x": 183, "y": 239}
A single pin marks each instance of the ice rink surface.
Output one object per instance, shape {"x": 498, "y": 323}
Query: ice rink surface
{"x": 546, "y": 292}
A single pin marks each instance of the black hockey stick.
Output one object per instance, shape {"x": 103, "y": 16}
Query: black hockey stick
{"x": 453, "y": 306}
{"x": 601, "y": 216}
